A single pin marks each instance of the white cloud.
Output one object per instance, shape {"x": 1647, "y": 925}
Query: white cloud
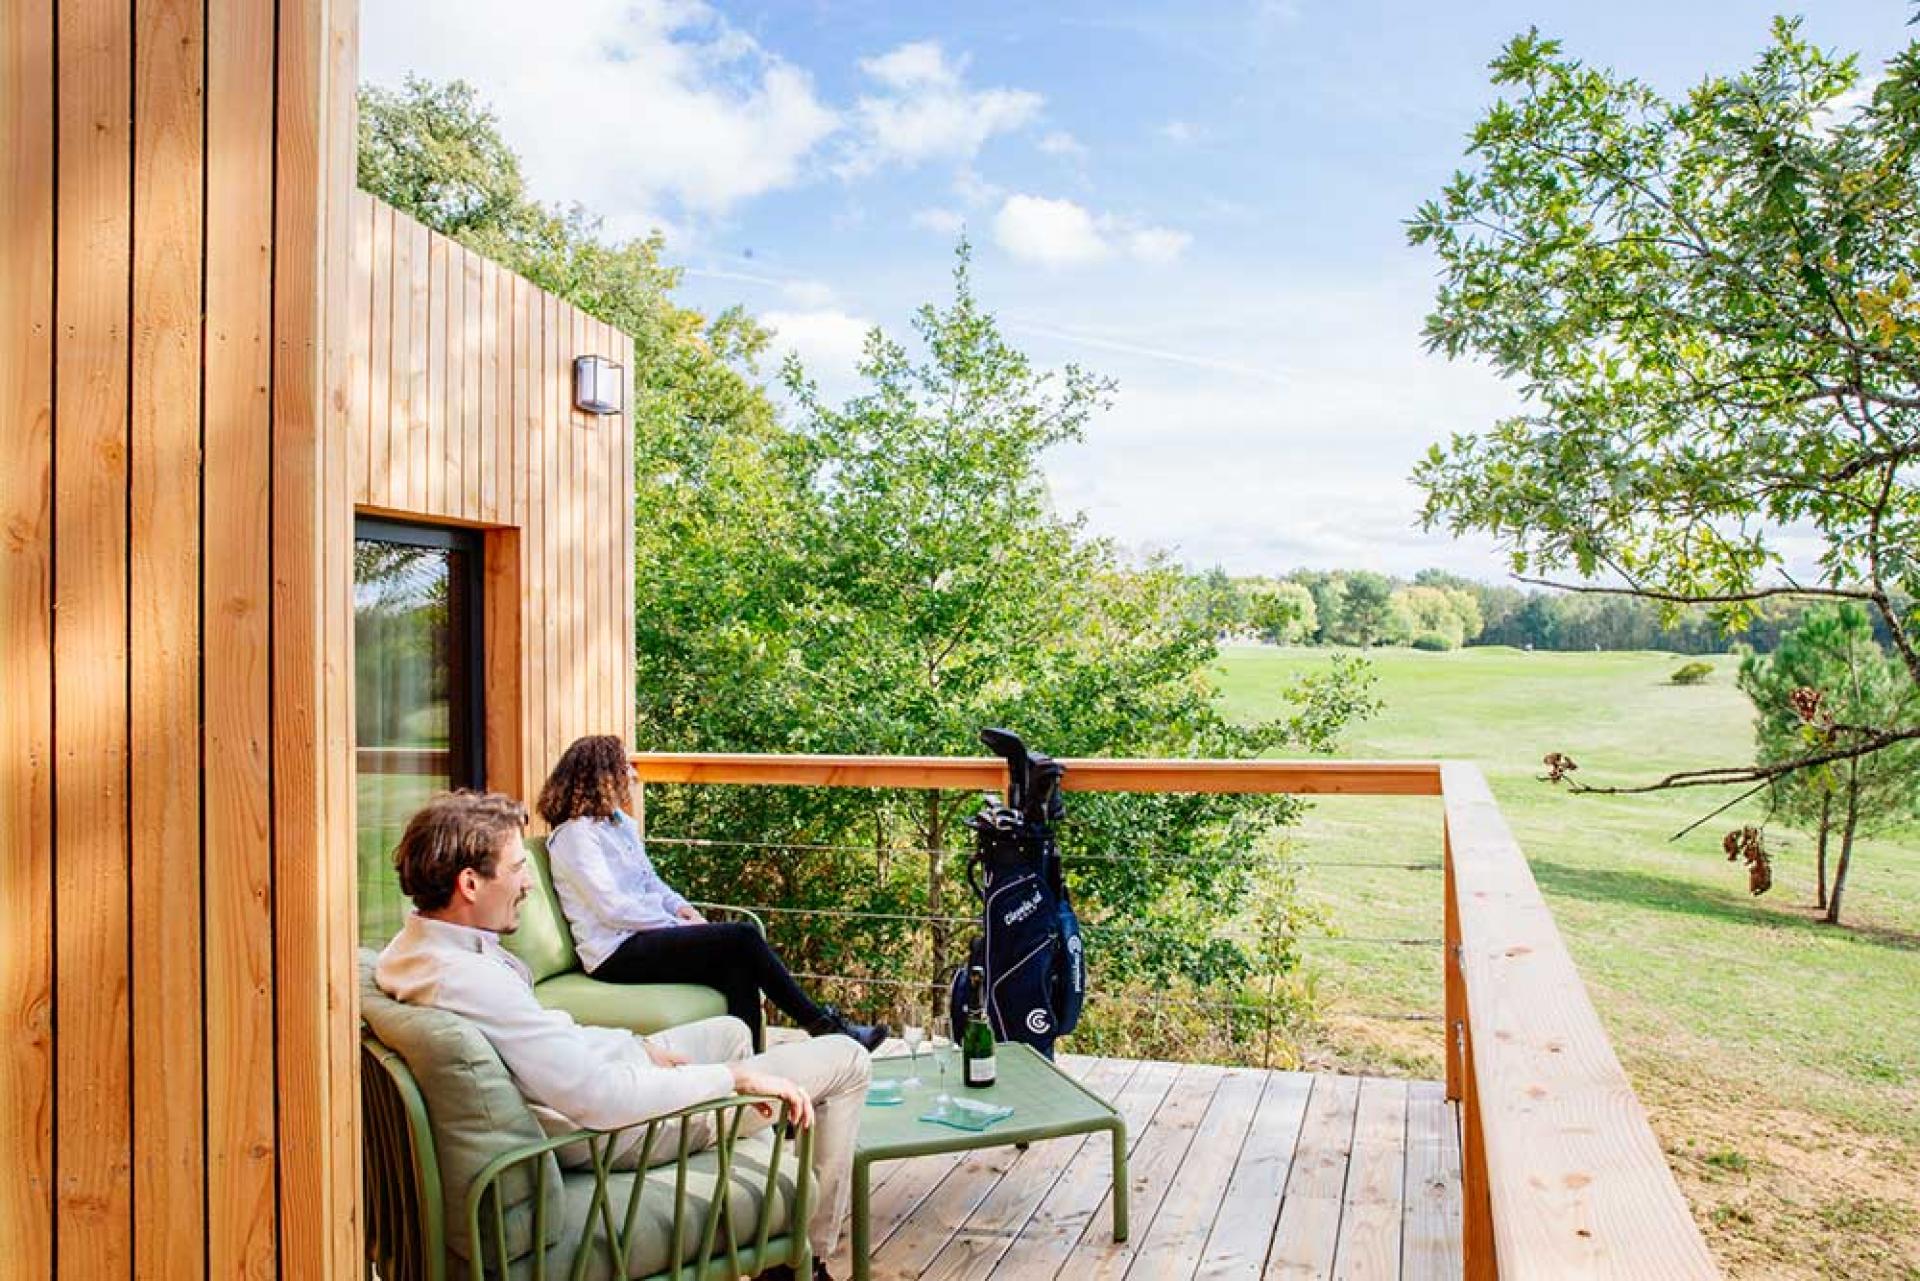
{"x": 1062, "y": 233}
{"x": 941, "y": 222}
{"x": 828, "y": 342}
{"x": 1158, "y": 244}
{"x": 635, "y": 108}
{"x": 1062, "y": 143}
{"x": 1178, "y": 132}
{"x": 1053, "y": 233}
{"x": 975, "y": 191}
{"x": 926, "y": 111}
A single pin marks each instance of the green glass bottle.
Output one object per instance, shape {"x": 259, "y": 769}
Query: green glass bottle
{"x": 976, "y": 1045}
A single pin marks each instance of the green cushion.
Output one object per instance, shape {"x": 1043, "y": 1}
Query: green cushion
{"x": 641, "y": 1007}
{"x": 473, "y": 1107}
{"x": 544, "y": 940}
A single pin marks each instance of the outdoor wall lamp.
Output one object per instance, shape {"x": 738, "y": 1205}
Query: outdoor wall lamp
{"x": 597, "y": 385}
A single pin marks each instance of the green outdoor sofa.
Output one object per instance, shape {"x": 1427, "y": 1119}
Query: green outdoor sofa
{"x": 545, "y": 943}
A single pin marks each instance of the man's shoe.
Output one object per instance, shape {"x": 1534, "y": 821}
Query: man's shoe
{"x": 784, "y": 1272}
{"x": 831, "y": 1021}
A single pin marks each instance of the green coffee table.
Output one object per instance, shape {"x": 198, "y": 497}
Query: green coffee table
{"x": 1046, "y": 1103}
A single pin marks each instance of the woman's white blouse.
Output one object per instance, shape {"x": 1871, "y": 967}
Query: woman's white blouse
{"x": 607, "y": 885}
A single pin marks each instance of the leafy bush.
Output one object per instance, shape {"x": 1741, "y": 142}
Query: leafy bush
{"x": 1692, "y": 674}
{"x": 1433, "y": 642}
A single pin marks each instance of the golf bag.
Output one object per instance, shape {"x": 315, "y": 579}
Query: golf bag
{"x": 1030, "y": 948}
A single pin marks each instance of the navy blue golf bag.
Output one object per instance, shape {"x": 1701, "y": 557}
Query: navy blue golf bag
{"x": 1029, "y": 947}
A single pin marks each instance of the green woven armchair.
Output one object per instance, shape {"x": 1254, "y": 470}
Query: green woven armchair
{"x": 462, "y": 1182}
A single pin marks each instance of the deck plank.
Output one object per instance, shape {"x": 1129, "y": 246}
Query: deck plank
{"x": 1369, "y": 1246}
{"x": 1152, "y": 1164}
{"x": 1243, "y": 1228}
{"x": 1170, "y": 1248}
{"x": 1082, "y": 1188}
{"x": 1236, "y": 1173}
{"x": 1430, "y": 1225}
{"x": 1305, "y": 1239}
{"x": 997, "y": 1222}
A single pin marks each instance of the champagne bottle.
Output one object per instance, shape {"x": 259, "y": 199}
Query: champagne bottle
{"x": 976, "y": 1046}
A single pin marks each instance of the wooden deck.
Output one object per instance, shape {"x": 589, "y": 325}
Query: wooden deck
{"x": 1237, "y": 1173}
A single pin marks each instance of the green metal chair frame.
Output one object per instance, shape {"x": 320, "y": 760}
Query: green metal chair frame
{"x": 406, "y": 1217}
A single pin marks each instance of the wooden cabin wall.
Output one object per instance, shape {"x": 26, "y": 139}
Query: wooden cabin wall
{"x": 177, "y": 1073}
{"x": 461, "y": 406}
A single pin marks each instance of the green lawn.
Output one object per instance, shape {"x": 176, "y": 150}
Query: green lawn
{"x": 1780, "y": 1057}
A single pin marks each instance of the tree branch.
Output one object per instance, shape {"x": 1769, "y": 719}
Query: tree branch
{"x": 1681, "y": 598}
{"x": 1729, "y": 775}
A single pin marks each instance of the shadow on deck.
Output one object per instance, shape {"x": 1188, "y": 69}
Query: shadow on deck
{"x": 1236, "y": 1173}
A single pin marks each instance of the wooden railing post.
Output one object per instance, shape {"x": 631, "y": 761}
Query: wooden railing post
{"x": 1455, "y": 985}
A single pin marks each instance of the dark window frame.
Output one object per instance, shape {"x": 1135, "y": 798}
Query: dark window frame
{"x": 470, "y": 543}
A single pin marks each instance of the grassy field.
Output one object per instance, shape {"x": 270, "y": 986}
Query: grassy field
{"x": 1779, "y": 1057}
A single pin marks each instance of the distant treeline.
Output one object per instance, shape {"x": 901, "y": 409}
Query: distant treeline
{"x": 1437, "y": 610}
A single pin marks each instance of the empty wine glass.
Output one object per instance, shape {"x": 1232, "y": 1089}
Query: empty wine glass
{"x": 913, "y": 1034}
{"x": 940, "y": 1056}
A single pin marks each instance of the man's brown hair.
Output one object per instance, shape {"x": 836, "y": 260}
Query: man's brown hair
{"x": 452, "y": 832}
{"x": 593, "y": 778}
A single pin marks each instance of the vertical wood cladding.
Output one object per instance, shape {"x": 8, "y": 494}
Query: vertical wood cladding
{"x": 176, "y": 1081}
{"x": 462, "y": 413}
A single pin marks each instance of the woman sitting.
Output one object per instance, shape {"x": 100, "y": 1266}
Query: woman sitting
{"x": 629, "y": 926}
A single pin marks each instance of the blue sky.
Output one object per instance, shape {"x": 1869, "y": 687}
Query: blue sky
{"x": 1204, "y": 201}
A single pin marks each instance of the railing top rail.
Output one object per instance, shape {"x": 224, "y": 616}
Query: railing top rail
{"x": 1577, "y": 1182}
{"x": 1098, "y": 774}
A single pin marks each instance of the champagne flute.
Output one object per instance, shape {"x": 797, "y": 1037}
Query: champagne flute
{"x": 913, "y": 1034}
{"x": 940, "y": 1057}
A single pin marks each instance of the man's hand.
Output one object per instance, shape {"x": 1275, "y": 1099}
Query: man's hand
{"x": 691, "y": 915}
{"x": 661, "y": 1056}
{"x": 748, "y": 1080}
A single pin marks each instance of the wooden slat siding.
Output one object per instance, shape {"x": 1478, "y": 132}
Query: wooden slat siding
{"x": 1082, "y": 1189}
{"x": 241, "y": 1193}
{"x": 505, "y": 728}
{"x": 978, "y": 1246}
{"x": 961, "y": 773}
{"x": 475, "y": 402}
{"x": 359, "y": 352}
{"x": 1430, "y": 1242}
{"x": 557, "y": 677}
{"x": 1236, "y": 1250}
{"x": 1307, "y": 1234}
{"x": 311, "y": 847}
{"x": 395, "y": 488}
{"x": 168, "y": 1142}
{"x": 340, "y": 1157}
{"x": 419, "y": 369}
{"x": 1152, "y": 1164}
{"x": 1577, "y": 1183}
{"x": 626, "y": 520}
{"x": 573, "y": 493}
{"x": 378, "y": 424}
{"x": 1369, "y": 1248}
{"x": 93, "y": 1158}
{"x": 1171, "y": 1246}
{"x": 449, "y": 453}
{"x": 435, "y": 440}
{"x": 27, "y": 217}
{"x": 533, "y": 578}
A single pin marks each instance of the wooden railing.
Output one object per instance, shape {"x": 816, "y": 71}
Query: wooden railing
{"x": 1562, "y": 1176}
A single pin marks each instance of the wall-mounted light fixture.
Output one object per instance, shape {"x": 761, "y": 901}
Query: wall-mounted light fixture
{"x": 598, "y": 385}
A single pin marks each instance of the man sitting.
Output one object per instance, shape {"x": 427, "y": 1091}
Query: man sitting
{"x": 463, "y": 863}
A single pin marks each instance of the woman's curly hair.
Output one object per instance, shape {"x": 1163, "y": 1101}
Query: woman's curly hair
{"x": 593, "y": 778}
